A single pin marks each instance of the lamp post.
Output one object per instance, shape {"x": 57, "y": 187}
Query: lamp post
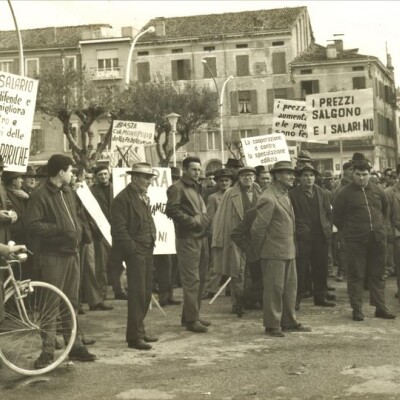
{"x": 20, "y": 47}
{"x": 173, "y": 119}
{"x": 221, "y": 105}
{"x": 150, "y": 29}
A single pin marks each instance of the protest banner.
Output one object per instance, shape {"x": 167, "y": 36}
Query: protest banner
{"x": 128, "y": 140}
{"x": 340, "y": 115}
{"x": 165, "y": 241}
{"x": 265, "y": 149}
{"x": 17, "y": 109}
{"x": 93, "y": 208}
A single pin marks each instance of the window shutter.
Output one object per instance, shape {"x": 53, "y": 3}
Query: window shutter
{"x": 279, "y": 63}
{"x": 255, "y": 132}
{"x": 242, "y": 66}
{"x": 212, "y": 65}
{"x": 290, "y": 93}
{"x": 315, "y": 86}
{"x": 187, "y": 70}
{"x": 235, "y": 136}
{"x": 359, "y": 82}
{"x": 143, "y": 70}
{"x": 253, "y": 101}
{"x": 270, "y": 101}
{"x": 234, "y": 103}
{"x": 174, "y": 70}
{"x": 203, "y": 141}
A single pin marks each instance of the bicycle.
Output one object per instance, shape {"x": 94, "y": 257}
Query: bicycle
{"x": 35, "y": 313}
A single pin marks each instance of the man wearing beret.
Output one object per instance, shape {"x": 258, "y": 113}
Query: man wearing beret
{"x": 228, "y": 258}
{"x": 134, "y": 234}
{"x": 273, "y": 236}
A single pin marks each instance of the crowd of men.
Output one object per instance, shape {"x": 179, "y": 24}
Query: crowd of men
{"x": 273, "y": 235}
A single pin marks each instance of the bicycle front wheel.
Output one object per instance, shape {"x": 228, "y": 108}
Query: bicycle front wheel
{"x": 31, "y": 326}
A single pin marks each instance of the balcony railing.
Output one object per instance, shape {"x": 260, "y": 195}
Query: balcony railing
{"x": 106, "y": 73}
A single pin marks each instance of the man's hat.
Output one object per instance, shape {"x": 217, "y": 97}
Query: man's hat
{"x": 99, "y": 168}
{"x": 282, "y": 166}
{"x": 2, "y": 165}
{"x": 41, "y": 171}
{"x": 304, "y": 155}
{"x": 8, "y": 176}
{"x": 246, "y": 169}
{"x": 210, "y": 173}
{"x": 175, "y": 172}
{"x": 357, "y": 157}
{"x": 327, "y": 174}
{"x": 223, "y": 173}
{"x": 233, "y": 163}
{"x": 141, "y": 168}
{"x": 307, "y": 167}
{"x": 347, "y": 165}
{"x": 30, "y": 172}
{"x": 259, "y": 169}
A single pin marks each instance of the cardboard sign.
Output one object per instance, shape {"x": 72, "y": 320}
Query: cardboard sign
{"x": 290, "y": 119}
{"x": 165, "y": 243}
{"x": 265, "y": 149}
{"x": 347, "y": 115}
{"x": 17, "y": 109}
{"x": 93, "y": 208}
{"x": 128, "y": 140}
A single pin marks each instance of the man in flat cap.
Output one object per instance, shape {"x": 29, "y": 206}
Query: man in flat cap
{"x": 228, "y": 258}
{"x": 273, "y": 236}
{"x": 134, "y": 234}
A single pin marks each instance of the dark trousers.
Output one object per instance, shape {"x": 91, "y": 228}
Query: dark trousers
{"x": 366, "y": 259}
{"x": 314, "y": 253}
{"x": 139, "y": 270}
{"x": 396, "y": 251}
{"x": 165, "y": 275}
{"x": 193, "y": 263}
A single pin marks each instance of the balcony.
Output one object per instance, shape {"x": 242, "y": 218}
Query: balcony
{"x": 102, "y": 74}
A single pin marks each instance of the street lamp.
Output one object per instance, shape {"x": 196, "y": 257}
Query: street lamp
{"x": 150, "y": 29}
{"x": 173, "y": 119}
{"x": 221, "y": 104}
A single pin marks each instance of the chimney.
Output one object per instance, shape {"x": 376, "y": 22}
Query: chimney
{"x": 129, "y": 31}
{"x": 338, "y": 44}
{"x": 159, "y": 25}
{"x": 331, "y": 51}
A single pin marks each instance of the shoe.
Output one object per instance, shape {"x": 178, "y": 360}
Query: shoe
{"x": 88, "y": 342}
{"x": 173, "y": 302}
{"x": 274, "y": 332}
{"x": 324, "y": 303}
{"x": 80, "y": 310}
{"x": 384, "y": 313}
{"x": 207, "y": 295}
{"x": 330, "y": 288}
{"x": 100, "y": 307}
{"x": 204, "y": 322}
{"x": 234, "y": 310}
{"x": 150, "y": 339}
{"x": 44, "y": 360}
{"x": 296, "y": 328}
{"x": 139, "y": 344}
{"x": 330, "y": 296}
{"x": 358, "y": 315}
{"x": 121, "y": 296}
{"x": 81, "y": 354}
{"x": 196, "y": 327}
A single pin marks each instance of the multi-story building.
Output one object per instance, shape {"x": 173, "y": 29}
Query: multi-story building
{"x": 328, "y": 69}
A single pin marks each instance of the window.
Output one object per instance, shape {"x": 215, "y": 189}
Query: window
{"x": 279, "y": 63}
{"x": 180, "y": 70}
{"x": 305, "y": 71}
{"x": 213, "y": 140}
{"x": 107, "y": 60}
{"x": 7, "y": 66}
{"x": 323, "y": 164}
{"x": 212, "y": 65}
{"x": 177, "y": 51}
{"x": 246, "y": 133}
{"x": 102, "y": 136}
{"x": 242, "y": 46}
{"x": 143, "y": 53}
{"x": 309, "y": 87}
{"x": 278, "y": 43}
{"x": 70, "y": 61}
{"x": 31, "y": 67}
{"x": 209, "y": 48}
{"x": 358, "y": 68}
{"x": 143, "y": 71}
{"x": 37, "y": 140}
{"x": 242, "y": 66}
{"x": 73, "y": 129}
{"x": 279, "y": 93}
{"x": 243, "y": 102}
{"x": 359, "y": 82}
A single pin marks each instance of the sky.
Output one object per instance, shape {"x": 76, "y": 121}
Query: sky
{"x": 371, "y": 26}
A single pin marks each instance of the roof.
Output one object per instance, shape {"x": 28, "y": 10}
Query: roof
{"x": 226, "y": 23}
{"x": 317, "y": 53}
{"x": 40, "y": 38}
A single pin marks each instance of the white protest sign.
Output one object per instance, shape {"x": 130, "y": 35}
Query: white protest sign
{"x": 347, "y": 114}
{"x": 157, "y": 192}
{"x": 265, "y": 149}
{"x": 17, "y": 109}
{"x": 93, "y": 208}
{"x": 292, "y": 151}
{"x": 128, "y": 140}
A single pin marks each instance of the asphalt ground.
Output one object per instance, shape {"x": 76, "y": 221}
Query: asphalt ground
{"x": 339, "y": 359}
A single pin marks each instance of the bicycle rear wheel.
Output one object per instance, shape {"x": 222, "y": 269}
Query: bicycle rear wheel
{"x": 49, "y": 313}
